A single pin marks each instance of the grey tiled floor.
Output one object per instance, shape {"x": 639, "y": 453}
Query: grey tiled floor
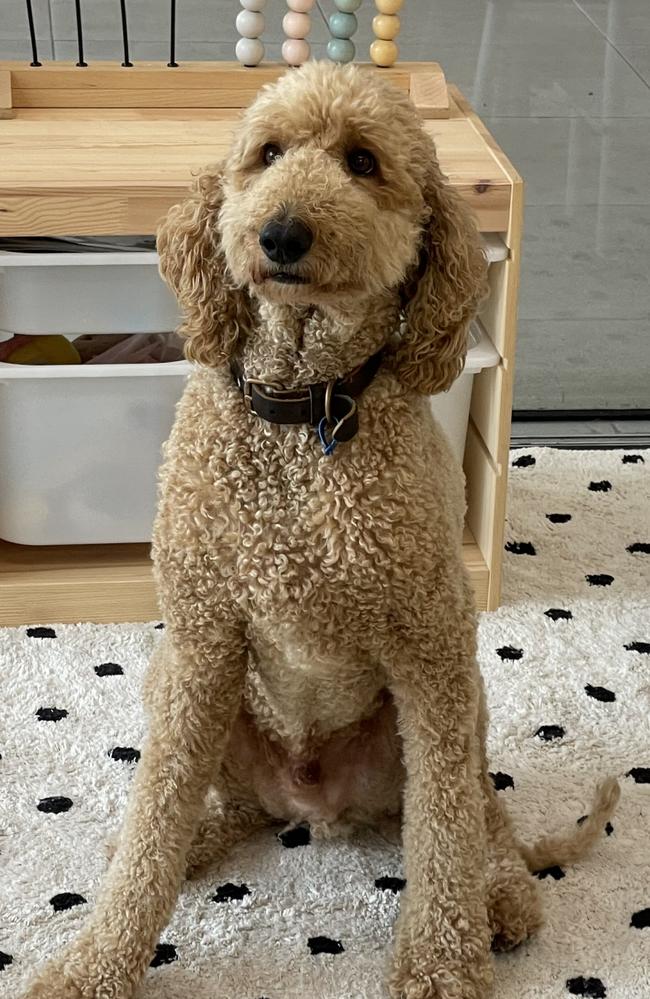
{"x": 565, "y": 87}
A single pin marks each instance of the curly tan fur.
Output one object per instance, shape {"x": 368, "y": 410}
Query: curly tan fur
{"x": 319, "y": 661}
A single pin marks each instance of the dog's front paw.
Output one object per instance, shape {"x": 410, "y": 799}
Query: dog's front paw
{"x": 81, "y": 972}
{"x": 421, "y": 974}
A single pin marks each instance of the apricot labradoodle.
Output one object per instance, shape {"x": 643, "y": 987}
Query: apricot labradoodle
{"x": 319, "y": 661}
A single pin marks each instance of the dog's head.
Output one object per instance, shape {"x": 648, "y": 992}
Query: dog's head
{"x": 330, "y": 197}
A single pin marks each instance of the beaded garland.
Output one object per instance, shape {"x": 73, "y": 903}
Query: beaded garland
{"x": 342, "y": 25}
{"x": 385, "y": 26}
{"x": 250, "y": 26}
{"x": 296, "y": 25}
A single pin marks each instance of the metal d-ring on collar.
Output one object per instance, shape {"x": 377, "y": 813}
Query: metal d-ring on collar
{"x": 328, "y": 406}
{"x": 327, "y": 420}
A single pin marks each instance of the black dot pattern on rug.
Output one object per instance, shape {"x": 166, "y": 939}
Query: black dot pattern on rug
{"x": 298, "y": 836}
{"x": 509, "y": 653}
{"x": 600, "y": 487}
{"x": 51, "y": 714}
{"x": 558, "y": 518}
{"x": 55, "y": 805}
{"x": 160, "y": 626}
{"x": 390, "y": 884}
{"x": 640, "y": 775}
{"x": 66, "y": 900}
{"x": 325, "y": 945}
{"x": 109, "y": 669}
{"x": 5, "y": 960}
{"x": 502, "y": 781}
{"x": 600, "y": 579}
{"x": 592, "y": 988}
{"x": 524, "y": 461}
{"x": 633, "y": 459}
{"x": 558, "y": 614}
{"x": 641, "y": 920}
{"x": 548, "y": 733}
{"x": 554, "y": 872}
{"x": 125, "y": 754}
{"x": 639, "y": 548}
{"x": 520, "y": 548}
{"x": 165, "y": 954}
{"x": 600, "y": 693}
{"x": 231, "y": 893}
{"x": 41, "y": 633}
{"x": 643, "y": 647}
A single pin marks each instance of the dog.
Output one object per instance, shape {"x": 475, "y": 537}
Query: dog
{"x": 319, "y": 658}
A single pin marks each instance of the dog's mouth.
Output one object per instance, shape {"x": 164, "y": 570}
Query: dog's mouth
{"x": 285, "y": 277}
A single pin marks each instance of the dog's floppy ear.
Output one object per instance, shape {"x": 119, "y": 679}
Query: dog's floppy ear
{"x": 441, "y": 293}
{"x": 216, "y": 312}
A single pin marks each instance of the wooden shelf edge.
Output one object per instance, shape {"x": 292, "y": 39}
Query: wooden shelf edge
{"x": 188, "y": 85}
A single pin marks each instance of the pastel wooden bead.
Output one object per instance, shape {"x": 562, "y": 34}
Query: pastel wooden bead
{"x": 249, "y": 24}
{"x": 249, "y": 51}
{"x": 383, "y": 53}
{"x": 386, "y": 26}
{"x": 254, "y": 5}
{"x": 347, "y": 6}
{"x": 340, "y": 50}
{"x": 342, "y": 25}
{"x": 301, "y": 6}
{"x": 388, "y": 6}
{"x": 295, "y": 51}
{"x": 296, "y": 25}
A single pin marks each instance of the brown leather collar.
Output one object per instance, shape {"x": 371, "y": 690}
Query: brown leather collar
{"x": 330, "y": 406}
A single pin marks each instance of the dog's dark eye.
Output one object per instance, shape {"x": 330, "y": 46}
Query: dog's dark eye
{"x": 271, "y": 153}
{"x": 362, "y": 162}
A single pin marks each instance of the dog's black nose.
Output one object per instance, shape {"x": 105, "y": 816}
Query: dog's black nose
{"x": 286, "y": 241}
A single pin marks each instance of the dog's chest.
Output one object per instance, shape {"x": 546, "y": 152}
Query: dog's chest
{"x": 305, "y": 527}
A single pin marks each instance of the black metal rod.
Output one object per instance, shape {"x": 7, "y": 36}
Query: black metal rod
{"x": 534, "y": 415}
{"x": 80, "y": 34}
{"x": 125, "y": 34}
{"x": 32, "y": 34}
{"x": 172, "y": 36}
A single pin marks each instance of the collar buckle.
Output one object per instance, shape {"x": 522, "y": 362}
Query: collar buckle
{"x": 246, "y": 386}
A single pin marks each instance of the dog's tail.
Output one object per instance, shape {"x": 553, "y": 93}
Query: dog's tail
{"x": 565, "y": 849}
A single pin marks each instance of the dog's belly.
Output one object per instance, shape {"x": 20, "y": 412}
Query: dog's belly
{"x": 355, "y": 774}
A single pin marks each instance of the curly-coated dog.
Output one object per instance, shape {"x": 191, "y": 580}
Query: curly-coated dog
{"x": 319, "y": 660}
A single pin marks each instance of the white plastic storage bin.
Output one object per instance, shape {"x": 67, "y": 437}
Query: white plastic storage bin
{"x": 451, "y": 409}
{"x": 79, "y": 449}
{"x": 84, "y": 292}
{"x": 80, "y": 444}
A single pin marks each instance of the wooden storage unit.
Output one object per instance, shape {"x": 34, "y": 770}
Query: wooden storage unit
{"x": 107, "y": 150}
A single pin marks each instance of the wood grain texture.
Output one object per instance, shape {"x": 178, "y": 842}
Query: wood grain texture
{"x": 198, "y": 84}
{"x": 156, "y": 157}
{"x": 488, "y": 440}
{"x": 428, "y": 91}
{"x": 6, "y": 104}
{"x": 503, "y": 400}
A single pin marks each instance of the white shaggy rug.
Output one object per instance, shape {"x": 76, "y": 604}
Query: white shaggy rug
{"x": 567, "y": 666}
